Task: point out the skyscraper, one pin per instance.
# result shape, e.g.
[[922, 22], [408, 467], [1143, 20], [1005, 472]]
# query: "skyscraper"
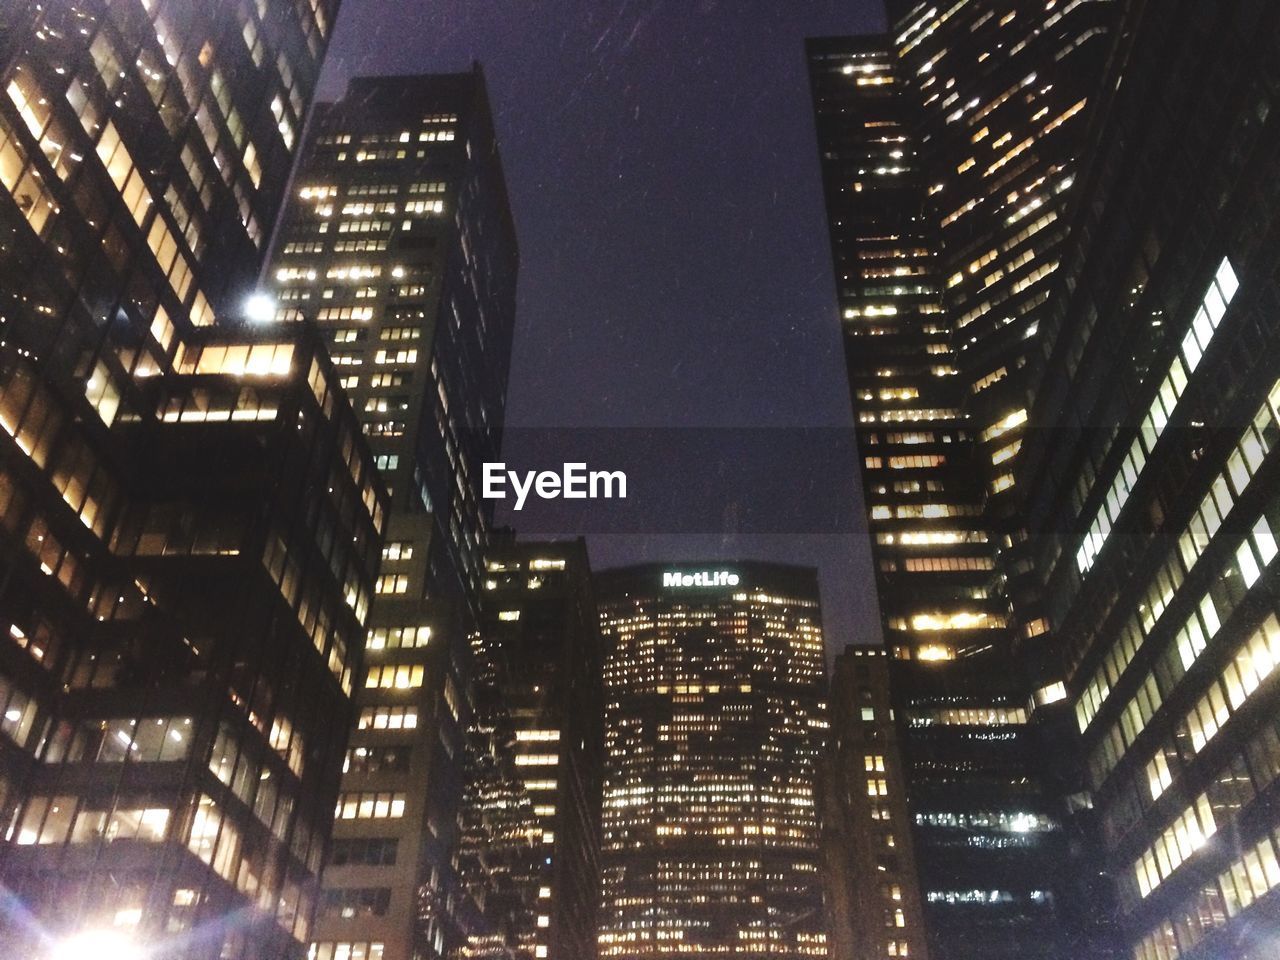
[[1151, 483], [714, 722], [191, 520], [948, 150], [398, 241], [873, 892], [541, 639]]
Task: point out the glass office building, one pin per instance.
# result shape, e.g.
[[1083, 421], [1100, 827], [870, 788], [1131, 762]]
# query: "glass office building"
[[191, 520], [1151, 489]]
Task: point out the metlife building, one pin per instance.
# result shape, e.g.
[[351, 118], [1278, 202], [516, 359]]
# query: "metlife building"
[[714, 719]]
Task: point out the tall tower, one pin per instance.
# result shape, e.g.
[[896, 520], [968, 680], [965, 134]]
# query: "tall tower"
[[959, 694], [191, 522], [398, 241], [541, 639], [714, 722], [948, 152]]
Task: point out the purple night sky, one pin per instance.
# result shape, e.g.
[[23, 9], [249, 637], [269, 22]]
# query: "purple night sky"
[[674, 272]]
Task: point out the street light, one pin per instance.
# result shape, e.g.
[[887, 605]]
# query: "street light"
[[260, 307], [96, 945]]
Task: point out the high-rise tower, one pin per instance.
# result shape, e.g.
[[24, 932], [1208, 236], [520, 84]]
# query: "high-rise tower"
[[948, 150], [541, 641], [714, 722], [398, 241], [1151, 482]]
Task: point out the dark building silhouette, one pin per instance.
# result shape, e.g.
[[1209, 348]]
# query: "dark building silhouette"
[[538, 846], [714, 725], [872, 888]]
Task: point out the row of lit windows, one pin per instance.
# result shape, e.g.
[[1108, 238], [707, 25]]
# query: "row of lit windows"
[[393, 583], [905, 463], [1189, 832], [395, 676], [388, 718], [930, 538], [1208, 316], [938, 564], [1201, 626], [370, 806], [1247, 879], [923, 511], [1257, 659], [965, 717], [903, 416], [962, 620], [392, 638], [1242, 464]]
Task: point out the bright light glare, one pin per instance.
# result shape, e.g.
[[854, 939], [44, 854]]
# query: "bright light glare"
[[260, 308], [96, 945]]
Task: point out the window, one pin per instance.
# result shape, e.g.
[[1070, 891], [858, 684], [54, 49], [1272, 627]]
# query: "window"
[[397, 550], [395, 676], [370, 806], [536, 759], [376, 760], [343, 950], [388, 718], [366, 851], [350, 902], [214, 841], [394, 638]]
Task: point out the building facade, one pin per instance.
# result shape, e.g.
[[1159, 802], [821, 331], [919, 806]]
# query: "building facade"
[[192, 520], [949, 148], [541, 647], [714, 723], [1151, 487], [398, 243], [873, 892]]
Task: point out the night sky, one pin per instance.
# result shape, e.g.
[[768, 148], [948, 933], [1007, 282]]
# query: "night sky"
[[674, 271]]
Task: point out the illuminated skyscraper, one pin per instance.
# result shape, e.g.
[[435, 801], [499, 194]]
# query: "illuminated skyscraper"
[[1152, 489], [948, 150], [714, 722], [191, 521], [959, 693], [398, 241]]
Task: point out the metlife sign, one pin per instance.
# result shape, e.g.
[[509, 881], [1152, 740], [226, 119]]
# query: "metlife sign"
[[702, 578]]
